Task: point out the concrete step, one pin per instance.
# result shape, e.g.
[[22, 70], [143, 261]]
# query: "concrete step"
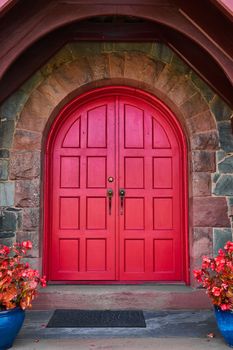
[[112, 297]]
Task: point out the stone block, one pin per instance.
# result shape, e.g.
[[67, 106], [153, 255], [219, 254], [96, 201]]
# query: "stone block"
[[162, 52], [3, 169], [36, 112], [182, 90], [220, 109], [9, 241], [99, 66], [202, 244], [32, 82], [35, 263], [224, 186], [6, 133], [84, 48], [4, 153], [194, 105], [167, 79], [27, 193], [6, 235], [220, 237], [24, 165], [203, 161], [13, 105], [230, 201], [31, 219], [61, 57], [205, 141], [205, 90], [180, 65], [32, 236], [220, 155], [150, 70], [210, 212], [116, 65], [133, 66], [143, 68], [53, 90], [27, 140], [226, 165], [145, 47], [201, 122], [7, 191], [201, 184], [225, 136], [215, 177], [10, 220], [74, 75]]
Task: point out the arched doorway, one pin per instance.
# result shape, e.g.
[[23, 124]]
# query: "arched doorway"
[[116, 188]]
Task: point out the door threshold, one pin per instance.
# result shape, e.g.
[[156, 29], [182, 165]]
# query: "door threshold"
[[117, 283]]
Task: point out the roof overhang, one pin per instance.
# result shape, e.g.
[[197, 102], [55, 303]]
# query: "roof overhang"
[[33, 33]]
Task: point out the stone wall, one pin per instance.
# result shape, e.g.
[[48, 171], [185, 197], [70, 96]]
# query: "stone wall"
[[27, 115]]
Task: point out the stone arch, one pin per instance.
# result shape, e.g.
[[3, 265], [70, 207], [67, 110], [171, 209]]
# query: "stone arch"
[[161, 74]]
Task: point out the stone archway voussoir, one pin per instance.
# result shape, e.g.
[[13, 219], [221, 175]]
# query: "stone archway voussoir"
[[36, 112]]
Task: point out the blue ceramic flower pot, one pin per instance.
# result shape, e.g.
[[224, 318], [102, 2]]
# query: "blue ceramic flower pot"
[[225, 324], [10, 323]]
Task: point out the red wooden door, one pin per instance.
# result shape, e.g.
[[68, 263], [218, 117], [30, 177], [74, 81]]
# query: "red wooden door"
[[83, 232], [150, 222], [130, 237]]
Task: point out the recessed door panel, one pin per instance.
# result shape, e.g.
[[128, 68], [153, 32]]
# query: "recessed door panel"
[[97, 127], [72, 166], [117, 194]]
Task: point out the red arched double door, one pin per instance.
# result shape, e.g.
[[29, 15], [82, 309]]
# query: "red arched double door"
[[116, 206]]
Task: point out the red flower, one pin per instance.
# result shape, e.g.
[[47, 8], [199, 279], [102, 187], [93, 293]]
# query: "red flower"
[[224, 285], [27, 244], [225, 307], [5, 250], [18, 281], [229, 246], [206, 262], [216, 275], [216, 291], [198, 275], [43, 281]]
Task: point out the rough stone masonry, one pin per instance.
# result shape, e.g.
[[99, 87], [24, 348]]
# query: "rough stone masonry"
[[205, 118]]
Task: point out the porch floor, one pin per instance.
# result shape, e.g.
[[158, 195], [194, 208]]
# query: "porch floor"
[[176, 316], [178, 330]]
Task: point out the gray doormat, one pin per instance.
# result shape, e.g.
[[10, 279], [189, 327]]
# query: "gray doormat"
[[63, 318]]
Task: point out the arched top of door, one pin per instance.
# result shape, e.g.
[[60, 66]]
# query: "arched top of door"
[[166, 116]]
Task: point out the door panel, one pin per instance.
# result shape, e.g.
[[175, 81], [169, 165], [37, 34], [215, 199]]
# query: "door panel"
[[83, 232], [150, 231], [132, 236]]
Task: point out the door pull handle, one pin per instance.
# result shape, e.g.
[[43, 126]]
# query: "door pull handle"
[[122, 197], [110, 195]]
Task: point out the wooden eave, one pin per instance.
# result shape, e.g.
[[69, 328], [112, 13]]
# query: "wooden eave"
[[198, 31]]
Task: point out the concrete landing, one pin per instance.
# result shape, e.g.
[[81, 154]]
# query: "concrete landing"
[[112, 297], [122, 344], [164, 330]]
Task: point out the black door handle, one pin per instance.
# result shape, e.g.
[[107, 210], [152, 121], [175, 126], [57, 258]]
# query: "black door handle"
[[110, 195], [122, 196]]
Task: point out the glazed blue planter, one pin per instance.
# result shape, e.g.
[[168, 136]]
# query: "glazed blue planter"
[[225, 324], [10, 323]]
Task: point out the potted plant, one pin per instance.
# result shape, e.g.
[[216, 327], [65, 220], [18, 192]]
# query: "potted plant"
[[216, 275], [18, 287]]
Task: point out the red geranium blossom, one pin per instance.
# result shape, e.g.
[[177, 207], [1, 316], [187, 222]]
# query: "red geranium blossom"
[[18, 281], [216, 275]]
